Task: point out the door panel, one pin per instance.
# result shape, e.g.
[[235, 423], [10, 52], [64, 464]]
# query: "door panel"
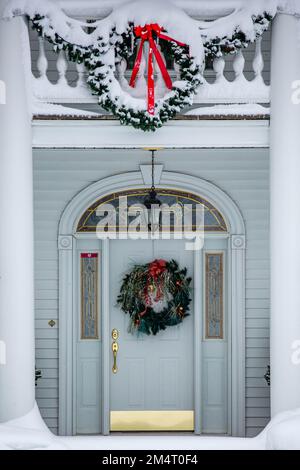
[[214, 401], [87, 409], [155, 373]]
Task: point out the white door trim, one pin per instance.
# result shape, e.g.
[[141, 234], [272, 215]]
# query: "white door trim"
[[236, 285]]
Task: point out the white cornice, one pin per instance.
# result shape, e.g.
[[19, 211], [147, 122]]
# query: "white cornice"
[[175, 134]]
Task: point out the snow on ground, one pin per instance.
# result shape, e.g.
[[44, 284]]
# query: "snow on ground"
[[230, 110], [31, 433]]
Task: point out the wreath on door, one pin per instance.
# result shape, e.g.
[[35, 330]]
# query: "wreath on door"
[[155, 295]]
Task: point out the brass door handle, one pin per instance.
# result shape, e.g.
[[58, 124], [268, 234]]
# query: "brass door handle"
[[115, 348]]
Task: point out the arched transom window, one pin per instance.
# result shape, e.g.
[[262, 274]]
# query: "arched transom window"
[[213, 219]]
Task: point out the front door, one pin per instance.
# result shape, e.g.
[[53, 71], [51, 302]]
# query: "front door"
[[153, 388]]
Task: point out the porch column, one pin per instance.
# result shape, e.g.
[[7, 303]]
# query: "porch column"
[[285, 217], [16, 219]]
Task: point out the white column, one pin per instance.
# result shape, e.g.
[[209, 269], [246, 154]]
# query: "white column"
[[16, 233], [285, 217]]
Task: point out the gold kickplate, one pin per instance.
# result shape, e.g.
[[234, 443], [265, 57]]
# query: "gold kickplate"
[[149, 420]]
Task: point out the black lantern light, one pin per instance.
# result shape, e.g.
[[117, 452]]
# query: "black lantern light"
[[152, 203]]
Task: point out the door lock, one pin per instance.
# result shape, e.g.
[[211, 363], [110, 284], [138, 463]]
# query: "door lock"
[[115, 334]]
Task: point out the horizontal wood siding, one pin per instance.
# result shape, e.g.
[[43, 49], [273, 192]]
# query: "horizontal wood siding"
[[59, 175]]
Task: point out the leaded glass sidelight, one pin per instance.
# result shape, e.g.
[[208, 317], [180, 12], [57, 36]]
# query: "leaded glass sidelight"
[[89, 295], [214, 305], [213, 219]]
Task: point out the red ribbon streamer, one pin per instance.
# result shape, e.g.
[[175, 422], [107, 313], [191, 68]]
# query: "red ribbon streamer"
[[156, 269], [146, 34]]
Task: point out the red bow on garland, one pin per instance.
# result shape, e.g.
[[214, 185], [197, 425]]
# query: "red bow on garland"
[[146, 34]]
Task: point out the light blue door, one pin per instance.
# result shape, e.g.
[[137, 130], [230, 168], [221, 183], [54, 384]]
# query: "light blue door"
[[154, 386]]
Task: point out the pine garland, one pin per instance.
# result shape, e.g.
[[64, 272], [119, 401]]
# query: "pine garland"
[[101, 65], [171, 287], [218, 47]]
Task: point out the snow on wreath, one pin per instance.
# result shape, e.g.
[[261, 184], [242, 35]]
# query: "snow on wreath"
[[155, 295], [147, 36]]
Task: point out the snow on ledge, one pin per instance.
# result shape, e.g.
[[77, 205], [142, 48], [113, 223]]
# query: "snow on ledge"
[[193, 7], [48, 109], [30, 432], [230, 110]]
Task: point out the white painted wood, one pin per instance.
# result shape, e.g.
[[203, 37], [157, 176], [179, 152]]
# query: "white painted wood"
[[62, 67], [81, 82], [237, 262], [65, 247], [146, 171], [175, 134], [42, 61], [106, 339], [231, 81], [16, 243], [285, 250], [198, 315]]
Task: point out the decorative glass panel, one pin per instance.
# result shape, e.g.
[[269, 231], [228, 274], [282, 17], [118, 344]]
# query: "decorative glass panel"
[[213, 219], [214, 309], [89, 296]]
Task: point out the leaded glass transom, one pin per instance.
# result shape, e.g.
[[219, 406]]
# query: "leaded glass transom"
[[213, 219]]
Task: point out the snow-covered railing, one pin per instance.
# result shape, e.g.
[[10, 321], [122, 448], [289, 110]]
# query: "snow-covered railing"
[[240, 89], [218, 87]]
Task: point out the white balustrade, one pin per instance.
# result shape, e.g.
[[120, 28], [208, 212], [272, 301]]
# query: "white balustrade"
[[227, 83]]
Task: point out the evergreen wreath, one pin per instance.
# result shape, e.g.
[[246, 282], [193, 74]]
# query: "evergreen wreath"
[[102, 58], [155, 295]]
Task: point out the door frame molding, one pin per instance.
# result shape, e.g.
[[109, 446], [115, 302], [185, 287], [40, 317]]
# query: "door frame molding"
[[236, 288]]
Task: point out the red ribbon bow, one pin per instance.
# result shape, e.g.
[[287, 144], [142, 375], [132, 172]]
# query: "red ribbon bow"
[[156, 268], [146, 34]]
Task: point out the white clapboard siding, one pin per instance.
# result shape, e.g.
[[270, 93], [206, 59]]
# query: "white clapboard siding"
[[59, 175]]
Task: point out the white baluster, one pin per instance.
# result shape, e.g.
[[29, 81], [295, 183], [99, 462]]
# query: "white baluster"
[[219, 66], [238, 66], [42, 61], [141, 83], [258, 62], [160, 86], [121, 69], [177, 71], [81, 82], [62, 67]]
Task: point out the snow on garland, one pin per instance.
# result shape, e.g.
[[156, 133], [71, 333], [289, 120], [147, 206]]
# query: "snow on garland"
[[167, 29], [219, 46], [155, 295], [101, 61]]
